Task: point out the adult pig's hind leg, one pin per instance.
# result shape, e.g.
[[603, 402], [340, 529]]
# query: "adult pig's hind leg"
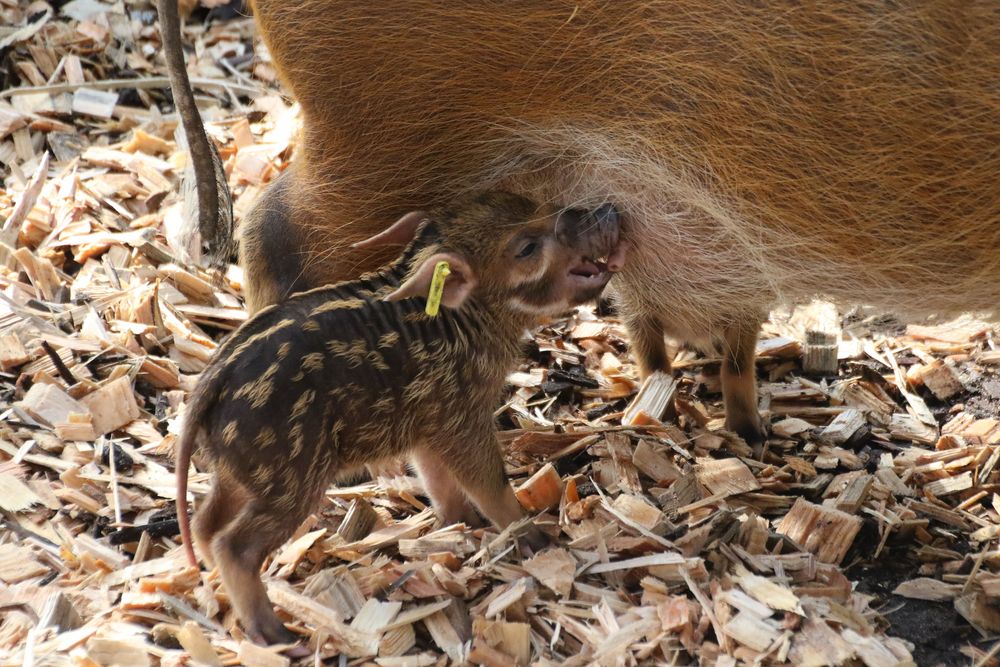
[[294, 239], [271, 249]]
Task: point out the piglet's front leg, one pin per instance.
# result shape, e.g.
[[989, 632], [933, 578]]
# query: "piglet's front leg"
[[476, 466], [450, 501]]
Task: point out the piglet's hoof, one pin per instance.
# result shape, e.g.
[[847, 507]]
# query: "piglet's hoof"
[[533, 541], [473, 521], [297, 651], [272, 631], [292, 648]]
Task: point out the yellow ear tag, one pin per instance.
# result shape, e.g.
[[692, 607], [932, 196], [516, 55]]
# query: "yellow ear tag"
[[441, 273]]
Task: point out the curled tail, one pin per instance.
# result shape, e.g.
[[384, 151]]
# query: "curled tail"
[[215, 204], [184, 449]]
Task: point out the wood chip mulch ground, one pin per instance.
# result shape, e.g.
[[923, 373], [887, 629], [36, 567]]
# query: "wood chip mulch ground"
[[864, 532]]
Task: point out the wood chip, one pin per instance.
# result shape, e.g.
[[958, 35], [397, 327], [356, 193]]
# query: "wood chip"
[[620, 448], [952, 332], [94, 102], [541, 491], [854, 494], [786, 428], [10, 120], [50, 404], [337, 591], [979, 612], [87, 545], [826, 532], [488, 656], [319, 616], [445, 636], [666, 561], [511, 639], [359, 521], [293, 552], [18, 564], [928, 589], [15, 495], [112, 406], [638, 511], [653, 462], [130, 652], [939, 378], [819, 354], [252, 655], [553, 568], [12, 352], [818, 644], [843, 427], [752, 631], [725, 477], [769, 593], [193, 639], [654, 399], [908, 427], [983, 431], [949, 485]]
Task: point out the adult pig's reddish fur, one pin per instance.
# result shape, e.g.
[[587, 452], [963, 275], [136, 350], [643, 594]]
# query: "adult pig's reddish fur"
[[761, 152]]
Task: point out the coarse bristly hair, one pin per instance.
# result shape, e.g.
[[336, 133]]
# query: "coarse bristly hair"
[[761, 152]]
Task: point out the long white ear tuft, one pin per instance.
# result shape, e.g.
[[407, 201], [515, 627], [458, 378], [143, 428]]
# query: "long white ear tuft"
[[457, 288], [400, 233]]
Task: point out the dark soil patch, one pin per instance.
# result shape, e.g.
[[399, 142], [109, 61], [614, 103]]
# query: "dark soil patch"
[[985, 399], [935, 629]]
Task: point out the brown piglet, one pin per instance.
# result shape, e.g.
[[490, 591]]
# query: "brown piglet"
[[347, 375]]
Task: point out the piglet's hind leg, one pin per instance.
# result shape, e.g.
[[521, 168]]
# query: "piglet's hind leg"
[[240, 551], [221, 505]]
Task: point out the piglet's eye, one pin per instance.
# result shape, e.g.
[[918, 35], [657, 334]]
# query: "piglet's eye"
[[527, 250]]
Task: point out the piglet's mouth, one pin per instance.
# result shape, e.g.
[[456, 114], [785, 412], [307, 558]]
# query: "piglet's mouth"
[[589, 274], [590, 269]]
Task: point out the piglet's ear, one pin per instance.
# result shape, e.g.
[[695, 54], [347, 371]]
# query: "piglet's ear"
[[400, 233], [457, 287]]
